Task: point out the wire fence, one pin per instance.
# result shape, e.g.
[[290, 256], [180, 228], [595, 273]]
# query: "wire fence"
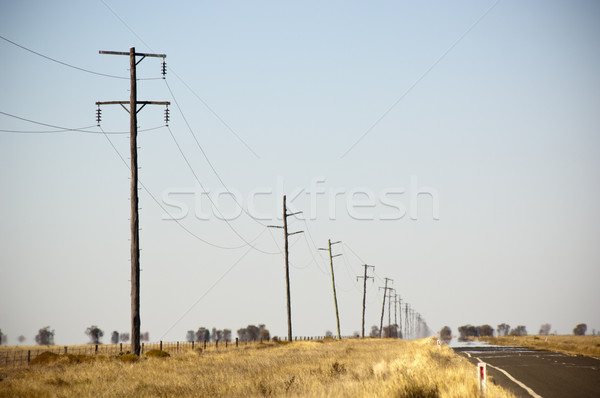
[[22, 356]]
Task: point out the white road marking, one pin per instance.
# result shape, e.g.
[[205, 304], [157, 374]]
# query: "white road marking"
[[529, 390]]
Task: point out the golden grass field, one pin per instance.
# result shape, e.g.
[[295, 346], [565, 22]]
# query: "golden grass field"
[[576, 345], [319, 368]]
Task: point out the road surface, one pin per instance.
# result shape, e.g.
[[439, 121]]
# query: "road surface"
[[535, 373]]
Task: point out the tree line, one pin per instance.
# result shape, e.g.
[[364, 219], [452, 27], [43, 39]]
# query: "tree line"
[[503, 329]]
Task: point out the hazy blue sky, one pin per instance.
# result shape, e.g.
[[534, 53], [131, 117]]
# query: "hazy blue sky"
[[491, 107]]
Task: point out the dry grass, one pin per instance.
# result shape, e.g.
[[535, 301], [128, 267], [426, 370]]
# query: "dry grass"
[[576, 345], [330, 368]]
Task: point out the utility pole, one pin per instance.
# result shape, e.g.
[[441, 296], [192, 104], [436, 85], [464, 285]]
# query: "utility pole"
[[385, 289], [365, 277], [407, 321], [134, 222], [331, 256], [400, 316], [287, 262], [396, 314]]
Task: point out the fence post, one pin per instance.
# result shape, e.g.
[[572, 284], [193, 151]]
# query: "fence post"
[[205, 344], [177, 347], [142, 348], [192, 346], [120, 347], [225, 344], [161, 345], [65, 349], [236, 342], [96, 350], [28, 357]]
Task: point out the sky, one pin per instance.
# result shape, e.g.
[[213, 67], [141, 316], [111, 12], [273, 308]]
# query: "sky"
[[453, 146]]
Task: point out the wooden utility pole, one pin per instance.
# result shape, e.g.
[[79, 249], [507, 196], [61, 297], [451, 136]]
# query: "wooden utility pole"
[[134, 222], [331, 256], [287, 262], [400, 316], [385, 290], [364, 302]]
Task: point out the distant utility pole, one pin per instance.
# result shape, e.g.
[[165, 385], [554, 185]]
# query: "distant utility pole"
[[396, 314], [400, 316], [385, 289], [407, 321], [287, 262], [135, 243], [331, 256], [365, 277]]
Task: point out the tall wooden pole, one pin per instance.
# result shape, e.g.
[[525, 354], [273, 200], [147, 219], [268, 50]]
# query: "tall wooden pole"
[[135, 242], [383, 308], [134, 221], [287, 270], [337, 315], [364, 301]]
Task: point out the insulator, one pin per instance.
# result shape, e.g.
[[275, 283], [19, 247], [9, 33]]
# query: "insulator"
[[167, 115], [164, 68], [98, 115]]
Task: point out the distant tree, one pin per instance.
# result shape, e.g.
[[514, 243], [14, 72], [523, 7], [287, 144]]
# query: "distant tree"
[[124, 336], [519, 331], [390, 331], [217, 334], [114, 337], [21, 339], [356, 334], [3, 338], [202, 334], [486, 331], [45, 336], [145, 336], [467, 331], [242, 334], [446, 333], [580, 329], [503, 329], [328, 333], [190, 336], [374, 331], [253, 332], [545, 329], [265, 335], [227, 335], [95, 334]]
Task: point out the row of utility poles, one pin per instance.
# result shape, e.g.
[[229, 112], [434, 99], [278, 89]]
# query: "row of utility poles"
[[413, 322], [414, 325]]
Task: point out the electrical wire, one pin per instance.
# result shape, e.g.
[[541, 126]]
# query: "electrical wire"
[[165, 210], [61, 62], [61, 129], [206, 156], [215, 207]]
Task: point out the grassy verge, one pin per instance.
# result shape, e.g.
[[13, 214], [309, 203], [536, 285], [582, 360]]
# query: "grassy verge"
[[329, 368], [575, 345]]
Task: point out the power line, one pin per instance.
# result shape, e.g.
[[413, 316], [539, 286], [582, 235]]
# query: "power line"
[[62, 129], [165, 210], [206, 156], [215, 114], [248, 243], [61, 62]]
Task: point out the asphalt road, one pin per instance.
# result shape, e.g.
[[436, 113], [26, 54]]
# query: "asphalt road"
[[535, 373]]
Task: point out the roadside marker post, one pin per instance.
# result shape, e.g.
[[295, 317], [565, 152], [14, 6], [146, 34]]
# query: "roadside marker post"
[[482, 374]]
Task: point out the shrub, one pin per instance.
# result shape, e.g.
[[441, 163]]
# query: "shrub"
[[157, 354], [45, 358]]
